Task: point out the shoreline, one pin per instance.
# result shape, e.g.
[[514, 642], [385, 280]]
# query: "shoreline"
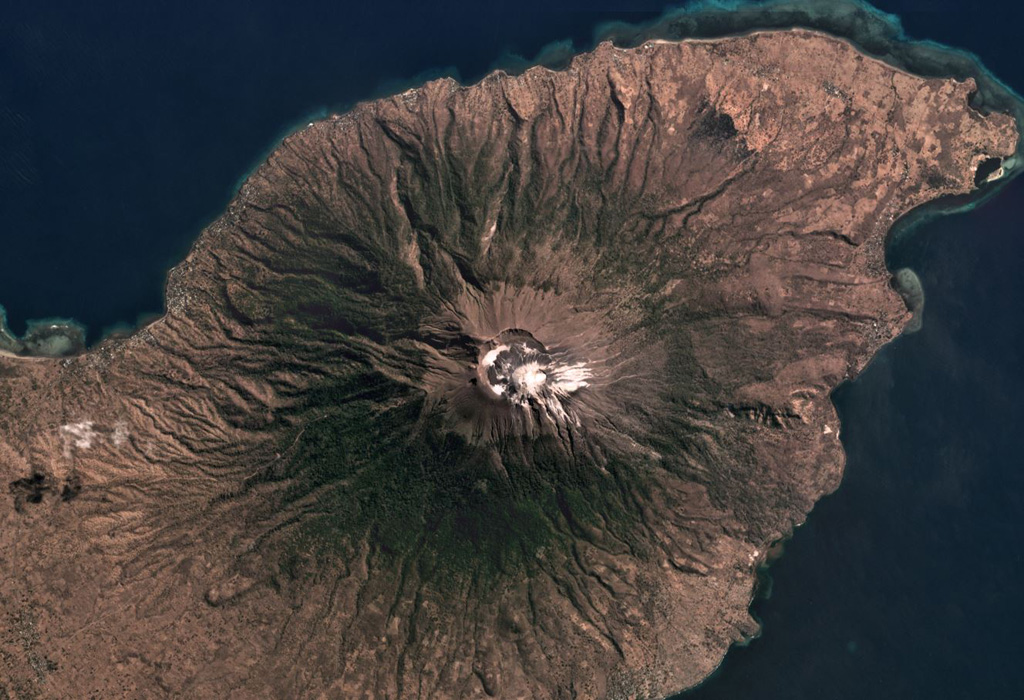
[[864, 27], [53, 332], [45, 338]]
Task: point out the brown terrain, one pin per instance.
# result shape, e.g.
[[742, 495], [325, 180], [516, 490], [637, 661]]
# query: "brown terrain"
[[503, 390]]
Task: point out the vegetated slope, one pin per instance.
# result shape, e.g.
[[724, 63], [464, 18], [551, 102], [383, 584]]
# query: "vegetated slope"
[[494, 390]]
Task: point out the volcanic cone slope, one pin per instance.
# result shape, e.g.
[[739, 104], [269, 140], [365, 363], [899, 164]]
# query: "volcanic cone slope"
[[500, 390]]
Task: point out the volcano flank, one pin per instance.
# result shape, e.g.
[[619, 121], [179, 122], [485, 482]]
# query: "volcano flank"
[[501, 390]]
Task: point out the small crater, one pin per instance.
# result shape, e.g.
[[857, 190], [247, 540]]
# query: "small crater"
[[938, 181], [30, 489], [72, 487], [715, 126], [986, 169]]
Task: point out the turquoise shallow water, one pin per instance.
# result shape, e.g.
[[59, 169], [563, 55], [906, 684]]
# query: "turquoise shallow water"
[[124, 129]]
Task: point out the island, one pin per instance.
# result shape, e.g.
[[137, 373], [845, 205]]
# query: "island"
[[502, 390]]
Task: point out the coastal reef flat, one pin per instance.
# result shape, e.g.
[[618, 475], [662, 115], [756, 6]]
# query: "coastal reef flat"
[[492, 391]]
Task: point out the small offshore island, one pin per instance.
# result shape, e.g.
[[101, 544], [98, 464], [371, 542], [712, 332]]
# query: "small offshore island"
[[502, 390]]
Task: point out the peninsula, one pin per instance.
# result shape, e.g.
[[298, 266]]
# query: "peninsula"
[[502, 390]]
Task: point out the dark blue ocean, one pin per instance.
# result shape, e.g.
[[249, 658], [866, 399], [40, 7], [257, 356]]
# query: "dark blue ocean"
[[126, 126]]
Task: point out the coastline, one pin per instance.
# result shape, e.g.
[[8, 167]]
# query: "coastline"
[[57, 327], [43, 338], [869, 30]]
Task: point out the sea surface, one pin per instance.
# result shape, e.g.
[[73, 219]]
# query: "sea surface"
[[125, 127]]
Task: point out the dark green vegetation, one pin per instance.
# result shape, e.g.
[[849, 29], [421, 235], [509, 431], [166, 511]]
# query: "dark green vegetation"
[[371, 464]]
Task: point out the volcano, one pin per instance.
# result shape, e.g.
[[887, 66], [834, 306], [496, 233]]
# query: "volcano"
[[502, 390]]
